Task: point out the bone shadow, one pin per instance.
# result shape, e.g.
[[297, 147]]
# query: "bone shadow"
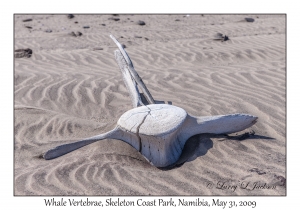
[[145, 102], [198, 145]]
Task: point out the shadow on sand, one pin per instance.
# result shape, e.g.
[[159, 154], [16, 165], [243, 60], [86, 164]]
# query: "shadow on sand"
[[199, 144]]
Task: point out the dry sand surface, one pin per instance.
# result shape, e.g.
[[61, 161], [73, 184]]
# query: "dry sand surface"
[[71, 88]]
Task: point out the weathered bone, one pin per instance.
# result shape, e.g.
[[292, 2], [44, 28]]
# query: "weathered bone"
[[133, 73], [157, 131], [128, 80]]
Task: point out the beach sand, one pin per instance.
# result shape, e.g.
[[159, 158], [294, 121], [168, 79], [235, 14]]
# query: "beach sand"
[[71, 88]]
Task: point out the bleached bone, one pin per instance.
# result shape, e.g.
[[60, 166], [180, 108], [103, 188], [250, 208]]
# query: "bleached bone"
[[129, 81], [132, 72], [158, 131]]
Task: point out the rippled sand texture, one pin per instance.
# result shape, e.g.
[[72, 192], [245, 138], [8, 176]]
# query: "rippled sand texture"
[[70, 89]]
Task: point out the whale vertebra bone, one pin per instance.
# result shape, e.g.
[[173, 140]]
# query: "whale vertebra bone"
[[157, 131]]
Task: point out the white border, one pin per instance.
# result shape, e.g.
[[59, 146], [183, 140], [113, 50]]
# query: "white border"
[[151, 6]]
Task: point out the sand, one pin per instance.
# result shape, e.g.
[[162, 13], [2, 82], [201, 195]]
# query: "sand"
[[71, 88]]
